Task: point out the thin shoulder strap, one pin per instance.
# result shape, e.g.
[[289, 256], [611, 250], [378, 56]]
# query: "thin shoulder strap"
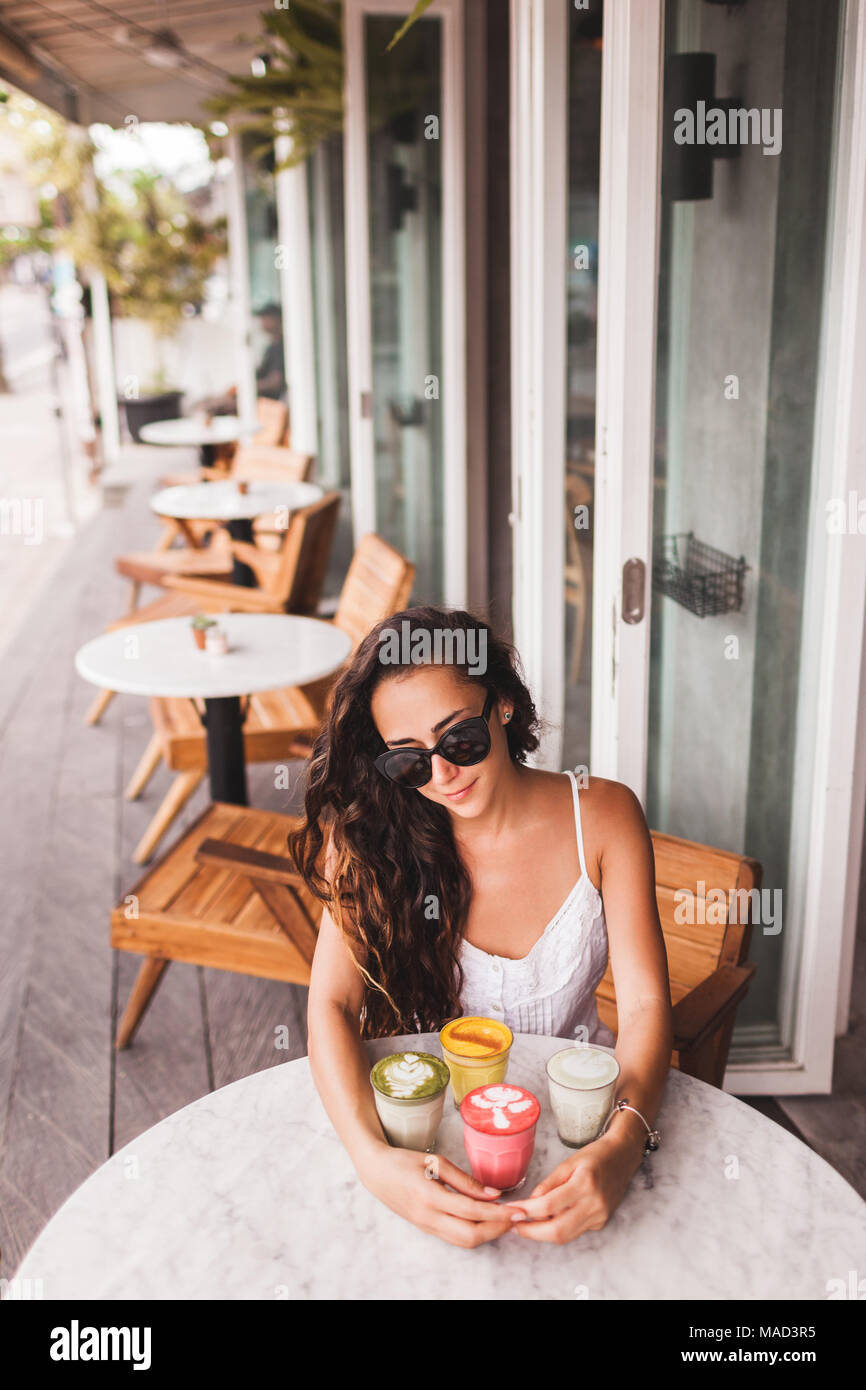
[[575, 793]]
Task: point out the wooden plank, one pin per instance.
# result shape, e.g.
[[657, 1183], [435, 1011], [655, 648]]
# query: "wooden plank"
[[58, 1119], [166, 1067], [248, 1017], [253, 1023], [256, 946], [697, 1013], [53, 993], [63, 860], [229, 892], [290, 915], [271, 867], [20, 1223], [161, 886]]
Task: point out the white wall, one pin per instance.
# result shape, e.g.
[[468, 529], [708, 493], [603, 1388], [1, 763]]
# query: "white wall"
[[199, 359]]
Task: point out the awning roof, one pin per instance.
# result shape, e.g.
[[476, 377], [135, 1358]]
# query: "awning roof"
[[95, 61]]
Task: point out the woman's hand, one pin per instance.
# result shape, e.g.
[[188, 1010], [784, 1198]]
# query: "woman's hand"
[[582, 1193], [414, 1186]]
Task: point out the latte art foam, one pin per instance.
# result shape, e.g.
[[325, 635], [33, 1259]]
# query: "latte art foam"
[[407, 1075], [583, 1067], [499, 1109]]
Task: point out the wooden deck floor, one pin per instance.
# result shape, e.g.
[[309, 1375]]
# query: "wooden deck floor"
[[67, 1100]]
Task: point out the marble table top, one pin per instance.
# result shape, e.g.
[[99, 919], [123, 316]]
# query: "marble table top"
[[249, 1194], [221, 501], [266, 651], [187, 430]]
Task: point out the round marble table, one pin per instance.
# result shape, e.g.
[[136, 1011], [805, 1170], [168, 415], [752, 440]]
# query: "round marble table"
[[249, 1194], [188, 431], [266, 651], [235, 509]]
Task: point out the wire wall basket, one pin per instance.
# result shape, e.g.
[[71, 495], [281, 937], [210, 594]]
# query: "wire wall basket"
[[701, 578]]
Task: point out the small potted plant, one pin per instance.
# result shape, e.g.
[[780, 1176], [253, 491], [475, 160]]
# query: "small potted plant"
[[200, 624]]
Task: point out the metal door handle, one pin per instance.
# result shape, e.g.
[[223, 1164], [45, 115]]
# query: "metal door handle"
[[633, 585]]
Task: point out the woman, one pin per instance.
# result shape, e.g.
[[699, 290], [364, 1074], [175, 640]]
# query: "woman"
[[459, 881]]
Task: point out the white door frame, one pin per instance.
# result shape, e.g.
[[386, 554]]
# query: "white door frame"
[[296, 296], [629, 216], [539, 239], [628, 237], [452, 387]]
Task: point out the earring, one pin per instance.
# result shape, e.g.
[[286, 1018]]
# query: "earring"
[[508, 715]]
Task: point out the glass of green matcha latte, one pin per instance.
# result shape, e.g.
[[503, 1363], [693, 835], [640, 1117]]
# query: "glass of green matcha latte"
[[409, 1088]]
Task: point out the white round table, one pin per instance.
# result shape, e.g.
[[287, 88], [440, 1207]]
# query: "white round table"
[[223, 501], [249, 1194], [236, 510], [266, 651], [187, 431]]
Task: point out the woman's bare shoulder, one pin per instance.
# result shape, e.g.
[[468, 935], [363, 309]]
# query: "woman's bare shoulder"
[[608, 797], [607, 809]]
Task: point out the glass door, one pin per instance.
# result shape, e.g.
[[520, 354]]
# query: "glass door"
[[741, 301], [727, 611], [405, 287], [584, 135]]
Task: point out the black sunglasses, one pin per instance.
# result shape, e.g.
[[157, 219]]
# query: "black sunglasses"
[[464, 744]]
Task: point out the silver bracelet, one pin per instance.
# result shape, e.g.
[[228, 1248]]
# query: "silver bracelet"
[[653, 1138]]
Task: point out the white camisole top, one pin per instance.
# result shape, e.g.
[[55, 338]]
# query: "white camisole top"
[[552, 989]]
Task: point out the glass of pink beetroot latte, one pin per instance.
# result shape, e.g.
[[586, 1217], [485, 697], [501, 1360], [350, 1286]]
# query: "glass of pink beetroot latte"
[[499, 1133]]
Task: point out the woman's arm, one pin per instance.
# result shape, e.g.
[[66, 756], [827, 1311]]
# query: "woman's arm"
[[462, 1212], [338, 1060], [585, 1189], [638, 962]]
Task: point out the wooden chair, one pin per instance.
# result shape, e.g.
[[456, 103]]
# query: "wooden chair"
[[290, 580], [273, 418], [226, 895], [707, 962], [279, 724], [272, 463], [272, 570]]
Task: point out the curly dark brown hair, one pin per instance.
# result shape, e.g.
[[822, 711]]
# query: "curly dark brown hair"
[[391, 849]]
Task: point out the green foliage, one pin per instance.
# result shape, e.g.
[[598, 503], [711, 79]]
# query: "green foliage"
[[155, 253], [143, 235], [301, 91], [416, 14]]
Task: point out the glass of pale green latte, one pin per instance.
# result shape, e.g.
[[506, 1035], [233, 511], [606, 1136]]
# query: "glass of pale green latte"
[[409, 1089]]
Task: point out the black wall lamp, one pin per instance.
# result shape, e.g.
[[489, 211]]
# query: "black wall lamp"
[[687, 169]]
